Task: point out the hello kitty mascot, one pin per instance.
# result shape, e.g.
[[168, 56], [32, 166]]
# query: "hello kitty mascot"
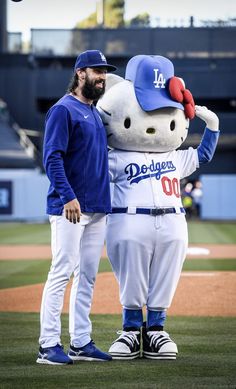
[[147, 118]]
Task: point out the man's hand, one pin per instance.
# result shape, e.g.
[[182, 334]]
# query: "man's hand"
[[209, 117], [73, 211]]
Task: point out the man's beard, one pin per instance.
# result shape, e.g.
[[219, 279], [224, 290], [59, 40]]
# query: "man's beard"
[[91, 91]]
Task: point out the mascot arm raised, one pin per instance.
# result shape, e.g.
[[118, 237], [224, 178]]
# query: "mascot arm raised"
[[209, 141]]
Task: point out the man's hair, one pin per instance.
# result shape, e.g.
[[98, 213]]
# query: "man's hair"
[[74, 82]]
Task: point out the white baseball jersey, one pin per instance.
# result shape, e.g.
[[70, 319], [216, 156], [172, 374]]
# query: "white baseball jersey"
[[150, 179]]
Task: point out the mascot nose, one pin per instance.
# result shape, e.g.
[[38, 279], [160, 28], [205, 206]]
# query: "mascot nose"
[[150, 130]]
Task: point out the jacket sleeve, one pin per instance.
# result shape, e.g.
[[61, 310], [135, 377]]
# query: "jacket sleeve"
[[207, 147], [55, 145]]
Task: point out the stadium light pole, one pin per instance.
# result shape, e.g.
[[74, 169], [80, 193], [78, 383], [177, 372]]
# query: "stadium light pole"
[[3, 26], [100, 9]]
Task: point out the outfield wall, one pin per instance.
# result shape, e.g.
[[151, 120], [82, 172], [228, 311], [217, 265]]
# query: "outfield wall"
[[219, 193], [23, 196]]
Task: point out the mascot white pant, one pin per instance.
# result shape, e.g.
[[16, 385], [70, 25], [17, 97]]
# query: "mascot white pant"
[[147, 254]]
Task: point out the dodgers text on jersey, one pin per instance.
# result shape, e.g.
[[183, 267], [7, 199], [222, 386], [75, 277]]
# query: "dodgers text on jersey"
[[137, 173]]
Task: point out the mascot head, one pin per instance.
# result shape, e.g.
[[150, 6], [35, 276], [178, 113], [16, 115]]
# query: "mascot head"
[[149, 110]]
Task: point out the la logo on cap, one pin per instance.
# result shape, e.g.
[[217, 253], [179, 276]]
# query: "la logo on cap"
[[159, 81], [103, 58], [150, 75]]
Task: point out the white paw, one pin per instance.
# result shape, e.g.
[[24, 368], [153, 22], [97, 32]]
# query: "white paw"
[[209, 117]]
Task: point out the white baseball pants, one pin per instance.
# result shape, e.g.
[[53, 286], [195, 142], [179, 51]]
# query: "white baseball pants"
[[147, 255], [75, 248]]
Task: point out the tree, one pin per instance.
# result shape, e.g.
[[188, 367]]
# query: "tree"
[[113, 15], [141, 20], [89, 22]]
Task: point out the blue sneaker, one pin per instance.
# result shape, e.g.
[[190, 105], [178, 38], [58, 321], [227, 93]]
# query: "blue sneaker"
[[89, 352], [53, 356]]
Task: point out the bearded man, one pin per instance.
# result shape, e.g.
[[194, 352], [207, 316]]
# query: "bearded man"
[[76, 163]]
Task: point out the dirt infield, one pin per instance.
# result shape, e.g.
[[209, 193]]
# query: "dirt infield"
[[44, 251], [198, 293]]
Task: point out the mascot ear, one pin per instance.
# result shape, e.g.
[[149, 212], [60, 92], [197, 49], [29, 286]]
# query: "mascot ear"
[[112, 79]]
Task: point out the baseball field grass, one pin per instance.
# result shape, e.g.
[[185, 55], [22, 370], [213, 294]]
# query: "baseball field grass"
[[199, 232], [207, 357], [207, 345], [26, 272]]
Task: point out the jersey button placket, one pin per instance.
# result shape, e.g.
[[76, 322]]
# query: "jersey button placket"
[[153, 183]]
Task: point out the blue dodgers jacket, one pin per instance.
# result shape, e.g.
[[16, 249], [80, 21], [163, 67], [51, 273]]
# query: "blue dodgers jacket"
[[75, 157]]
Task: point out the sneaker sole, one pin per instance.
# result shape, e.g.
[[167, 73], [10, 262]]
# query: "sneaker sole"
[[47, 362], [159, 356], [89, 359], [125, 356]]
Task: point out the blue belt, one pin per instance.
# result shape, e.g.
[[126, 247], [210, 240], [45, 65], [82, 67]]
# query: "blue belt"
[[149, 211]]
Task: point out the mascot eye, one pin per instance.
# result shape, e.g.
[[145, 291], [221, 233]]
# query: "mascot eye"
[[127, 123], [172, 125]]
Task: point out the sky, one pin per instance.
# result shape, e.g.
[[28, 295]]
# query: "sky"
[[27, 14]]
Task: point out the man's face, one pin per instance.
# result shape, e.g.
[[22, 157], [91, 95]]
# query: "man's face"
[[94, 83]]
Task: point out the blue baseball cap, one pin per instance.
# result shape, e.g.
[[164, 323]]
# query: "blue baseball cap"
[[150, 75], [93, 59]]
